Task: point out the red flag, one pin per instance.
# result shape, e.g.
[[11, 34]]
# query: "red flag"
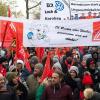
[[40, 52], [20, 54], [27, 61], [8, 32], [57, 52], [47, 68], [9, 12], [81, 48]]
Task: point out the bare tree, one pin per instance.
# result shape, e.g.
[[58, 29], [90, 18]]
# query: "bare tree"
[[3, 9], [34, 4]]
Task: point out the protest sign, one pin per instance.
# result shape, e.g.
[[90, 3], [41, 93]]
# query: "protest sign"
[[69, 9]]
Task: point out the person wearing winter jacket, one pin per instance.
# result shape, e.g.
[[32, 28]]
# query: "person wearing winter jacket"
[[6, 93], [95, 73], [58, 90], [17, 86]]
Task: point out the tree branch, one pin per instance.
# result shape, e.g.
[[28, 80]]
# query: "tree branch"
[[35, 5]]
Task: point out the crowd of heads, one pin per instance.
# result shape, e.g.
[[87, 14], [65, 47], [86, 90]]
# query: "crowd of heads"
[[74, 65]]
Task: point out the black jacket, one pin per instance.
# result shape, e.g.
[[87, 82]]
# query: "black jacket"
[[7, 94], [96, 96]]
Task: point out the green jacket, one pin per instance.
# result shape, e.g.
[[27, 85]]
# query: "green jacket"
[[39, 92]]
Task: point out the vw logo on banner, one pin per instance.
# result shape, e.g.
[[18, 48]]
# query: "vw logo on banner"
[[59, 5]]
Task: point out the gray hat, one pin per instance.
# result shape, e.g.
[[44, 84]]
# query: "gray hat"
[[57, 65], [74, 68], [39, 65], [34, 60], [55, 59]]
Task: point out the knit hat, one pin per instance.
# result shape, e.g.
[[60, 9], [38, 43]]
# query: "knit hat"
[[34, 60], [87, 56], [74, 68], [68, 54], [55, 59], [57, 65], [89, 61], [20, 62], [10, 76], [39, 65], [87, 79]]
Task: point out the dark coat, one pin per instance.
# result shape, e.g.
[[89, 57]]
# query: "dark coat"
[[57, 93], [75, 86], [8, 94], [19, 88], [96, 96], [24, 74]]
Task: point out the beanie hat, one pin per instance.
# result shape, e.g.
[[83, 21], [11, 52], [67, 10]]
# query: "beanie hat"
[[74, 68], [10, 76], [20, 62], [34, 60], [57, 65], [68, 54], [87, 56], [89, 61], [55, 59], [39, 66], [87, 79]]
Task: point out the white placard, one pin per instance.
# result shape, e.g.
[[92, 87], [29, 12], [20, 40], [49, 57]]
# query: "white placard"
[[69, 9]]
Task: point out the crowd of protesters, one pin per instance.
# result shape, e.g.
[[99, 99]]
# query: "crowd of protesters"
[[75, 75]]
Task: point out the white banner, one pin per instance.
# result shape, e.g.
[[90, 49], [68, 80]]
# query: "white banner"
[[69, 9], [58, 33], [62, 34]]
